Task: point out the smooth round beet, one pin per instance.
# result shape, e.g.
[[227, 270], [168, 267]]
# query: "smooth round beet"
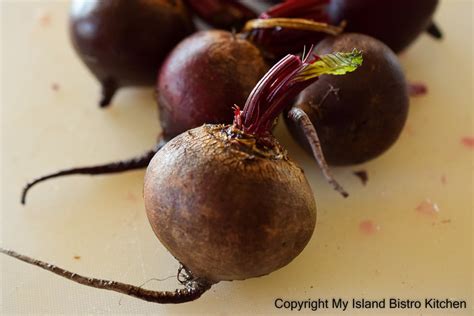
[[124, 42], [397, 23], [359, 115], [203, 77], [225, 210]]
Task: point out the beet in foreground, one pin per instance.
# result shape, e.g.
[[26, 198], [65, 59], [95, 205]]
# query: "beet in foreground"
[[201, 192]]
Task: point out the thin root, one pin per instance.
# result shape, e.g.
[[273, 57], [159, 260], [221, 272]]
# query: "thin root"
[[193, 287], [300, 118], [434, 31], [135, 163], [109, 87]]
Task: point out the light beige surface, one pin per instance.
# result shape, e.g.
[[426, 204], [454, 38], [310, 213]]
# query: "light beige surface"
[[102, 220]]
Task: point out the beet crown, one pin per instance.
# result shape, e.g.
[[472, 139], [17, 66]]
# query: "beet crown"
[[284, 82]]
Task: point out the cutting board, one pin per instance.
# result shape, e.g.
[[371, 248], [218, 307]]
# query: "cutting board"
[[406, 234]]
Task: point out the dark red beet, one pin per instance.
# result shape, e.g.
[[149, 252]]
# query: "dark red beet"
[[203, 77], [360, 115], [397, 23], [124, 42]]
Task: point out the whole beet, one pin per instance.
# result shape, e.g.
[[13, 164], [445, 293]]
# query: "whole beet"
[[219, 229], [226, 200], [397, 23], [124, 42], [360, 115], [203, 77]]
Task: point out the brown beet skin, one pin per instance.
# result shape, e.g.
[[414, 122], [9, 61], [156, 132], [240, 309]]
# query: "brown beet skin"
[[397, 23], [225, 211], [126, 41], [364, 112], [203, 77]]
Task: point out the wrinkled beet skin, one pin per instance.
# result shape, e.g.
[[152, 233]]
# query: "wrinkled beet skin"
[[223, 215], [397, 23], [203, 77], [125, 41], [365, 117]]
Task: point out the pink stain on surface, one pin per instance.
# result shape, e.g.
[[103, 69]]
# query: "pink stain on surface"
[[444, 180], [408, 130], [55, 86], [427, 208], [368, 227], [131, 197], [43, 18], [417, 89], [468, 141]]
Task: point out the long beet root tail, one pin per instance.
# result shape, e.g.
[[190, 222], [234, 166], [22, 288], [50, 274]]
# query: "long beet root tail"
[[109, 87], [193, 287], [135, 163], [300, 118], [434, 31]]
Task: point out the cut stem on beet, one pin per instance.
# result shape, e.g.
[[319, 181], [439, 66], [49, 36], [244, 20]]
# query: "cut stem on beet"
[[282, 84], [293, 24]]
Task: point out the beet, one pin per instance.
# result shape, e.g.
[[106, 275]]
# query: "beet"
[[360, 115], [397, 23], [124, 42], [226, 200], [203, 77], [220, 230]]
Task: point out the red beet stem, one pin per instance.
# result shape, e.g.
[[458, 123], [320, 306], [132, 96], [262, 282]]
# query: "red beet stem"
[[304, 9], [287, 27], [272, 94], [283, 82]]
